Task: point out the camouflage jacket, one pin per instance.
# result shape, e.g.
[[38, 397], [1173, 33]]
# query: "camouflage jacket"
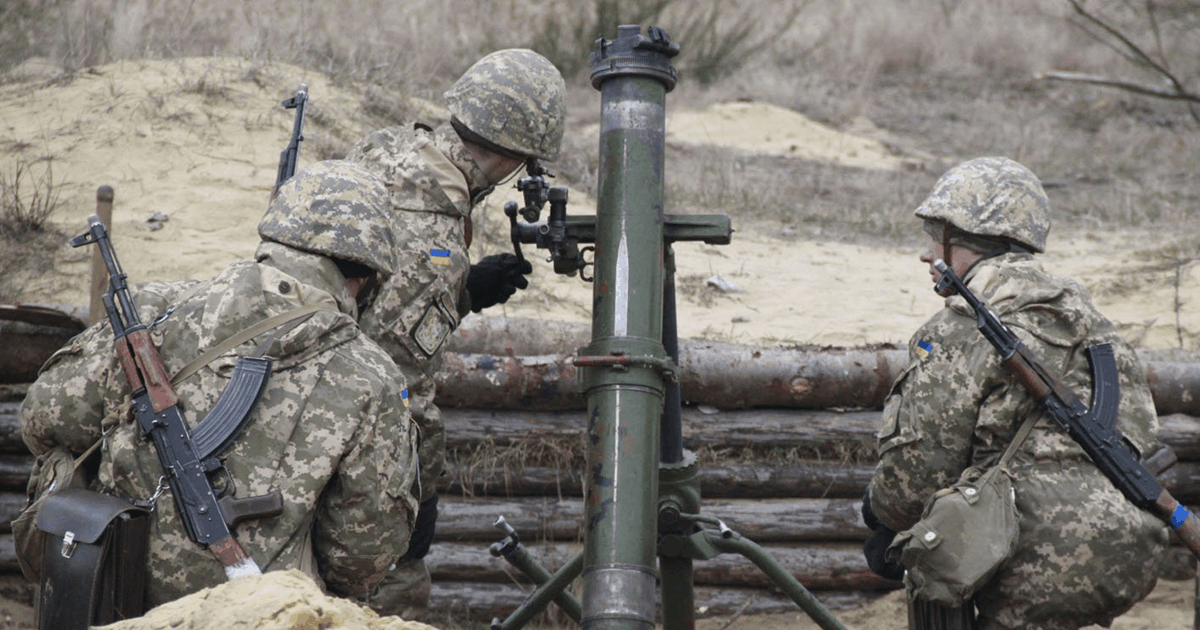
[[956, 406], [331, 432], [1084, 553], [433, 184]]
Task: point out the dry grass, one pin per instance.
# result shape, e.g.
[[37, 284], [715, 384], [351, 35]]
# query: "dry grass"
[[956, 76], [29, 196], [953, 77]]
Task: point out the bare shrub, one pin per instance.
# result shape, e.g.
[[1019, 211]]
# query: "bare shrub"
[[27, 239], [27, 200]]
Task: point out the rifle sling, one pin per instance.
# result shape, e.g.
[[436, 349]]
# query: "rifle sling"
[[222, 424], [246, 335]]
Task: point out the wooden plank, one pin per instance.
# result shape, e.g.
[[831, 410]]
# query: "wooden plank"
[[830, 433]]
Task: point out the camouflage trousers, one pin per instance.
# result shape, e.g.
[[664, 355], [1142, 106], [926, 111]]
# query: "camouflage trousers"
[[1085, 554]]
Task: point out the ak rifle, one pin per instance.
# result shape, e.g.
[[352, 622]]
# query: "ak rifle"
[[186, 462], [1093, 429], [289, 156]]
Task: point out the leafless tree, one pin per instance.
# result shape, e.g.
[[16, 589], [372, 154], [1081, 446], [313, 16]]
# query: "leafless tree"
[[1155, 59]]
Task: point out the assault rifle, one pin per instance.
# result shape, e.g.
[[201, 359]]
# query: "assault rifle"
[[186, 460], [288, 157], [1094, 429]]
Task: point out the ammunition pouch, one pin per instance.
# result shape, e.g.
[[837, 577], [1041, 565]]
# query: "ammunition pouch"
[[94, 561]]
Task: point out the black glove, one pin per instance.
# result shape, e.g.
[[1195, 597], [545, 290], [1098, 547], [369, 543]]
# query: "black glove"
[[422, 533], [868, 516], [495, 278], [875, 548]]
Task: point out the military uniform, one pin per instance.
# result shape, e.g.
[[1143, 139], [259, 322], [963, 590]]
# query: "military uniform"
[[1085, 554], [509, 103], [430, 177], [331, 433]]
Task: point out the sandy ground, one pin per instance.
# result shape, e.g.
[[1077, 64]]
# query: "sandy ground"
[[198, 141]]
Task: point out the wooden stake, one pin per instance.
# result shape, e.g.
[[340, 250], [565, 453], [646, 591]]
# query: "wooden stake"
[[99, 281]]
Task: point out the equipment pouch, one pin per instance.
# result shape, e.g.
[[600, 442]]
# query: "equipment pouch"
[[966, 532], [52, 473], [94, 567]]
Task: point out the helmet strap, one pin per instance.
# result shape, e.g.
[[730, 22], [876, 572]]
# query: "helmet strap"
[[470, 136]]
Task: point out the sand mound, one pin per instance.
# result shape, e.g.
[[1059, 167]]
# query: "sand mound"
[[278, 600], [198, 140], [772, 130]]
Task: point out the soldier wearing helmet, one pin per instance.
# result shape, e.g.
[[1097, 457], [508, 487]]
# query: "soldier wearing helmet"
[[507, 111], [1084, 554], [331, 432]]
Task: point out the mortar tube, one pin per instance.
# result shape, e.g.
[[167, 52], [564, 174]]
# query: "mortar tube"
[[624, 374]]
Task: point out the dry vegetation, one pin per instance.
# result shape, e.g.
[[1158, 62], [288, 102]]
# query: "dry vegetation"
[[958, 77], [951, 78]]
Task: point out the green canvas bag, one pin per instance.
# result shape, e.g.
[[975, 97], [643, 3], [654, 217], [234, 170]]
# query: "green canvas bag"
[[965, 533]]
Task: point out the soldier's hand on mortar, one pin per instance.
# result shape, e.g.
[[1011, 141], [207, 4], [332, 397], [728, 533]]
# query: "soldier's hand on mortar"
[[495, 279]]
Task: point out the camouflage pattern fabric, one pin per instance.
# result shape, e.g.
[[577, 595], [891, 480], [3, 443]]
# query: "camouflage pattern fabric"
[[1085, 554], [333, 208], [331, 433], [433, 182], [514, 99], [992, 196]]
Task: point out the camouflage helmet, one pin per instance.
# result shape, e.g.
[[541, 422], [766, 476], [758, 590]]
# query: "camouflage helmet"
[[513, 99], [991, 197], [337, 209]]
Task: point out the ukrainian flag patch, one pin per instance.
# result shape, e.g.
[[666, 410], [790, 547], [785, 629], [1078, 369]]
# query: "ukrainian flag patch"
[[439, 256], [404, 398], [923, 349]]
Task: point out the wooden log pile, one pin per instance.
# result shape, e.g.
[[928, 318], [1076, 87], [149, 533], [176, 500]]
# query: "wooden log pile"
[[785, 440]]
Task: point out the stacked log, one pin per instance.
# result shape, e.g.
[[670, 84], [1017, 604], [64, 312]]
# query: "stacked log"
[[785, 437], [787, 443]]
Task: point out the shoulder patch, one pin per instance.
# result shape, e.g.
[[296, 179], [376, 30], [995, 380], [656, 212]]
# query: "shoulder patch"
[[439, 256], [923, 349]]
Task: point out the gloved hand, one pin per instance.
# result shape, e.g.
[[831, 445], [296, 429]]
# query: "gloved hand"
[[868, 516], [496, 278], [875, 548], [423, 529]]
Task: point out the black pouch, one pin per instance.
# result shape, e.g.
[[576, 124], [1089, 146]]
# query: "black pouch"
[[94, 567]]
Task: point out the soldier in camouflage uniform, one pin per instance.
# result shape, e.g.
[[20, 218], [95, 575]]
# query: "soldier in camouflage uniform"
[[507, 110], [1085, 554], [331, 433]]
